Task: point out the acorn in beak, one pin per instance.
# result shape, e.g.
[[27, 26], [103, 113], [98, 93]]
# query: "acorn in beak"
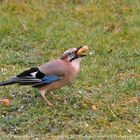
[[81, 51], [75, 53]]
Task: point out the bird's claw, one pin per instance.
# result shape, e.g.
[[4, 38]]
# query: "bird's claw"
[[49, 104]]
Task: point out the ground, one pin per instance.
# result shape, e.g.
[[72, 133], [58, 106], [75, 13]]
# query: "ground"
[[104, 99]]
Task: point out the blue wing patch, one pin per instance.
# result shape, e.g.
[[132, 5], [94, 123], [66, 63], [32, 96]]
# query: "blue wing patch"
[[50, 79], [47, 79]]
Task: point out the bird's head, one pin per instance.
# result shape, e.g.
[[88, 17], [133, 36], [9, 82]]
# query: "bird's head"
[[74, 53]]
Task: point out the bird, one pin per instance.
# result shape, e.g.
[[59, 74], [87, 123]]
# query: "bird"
[[52, 75]]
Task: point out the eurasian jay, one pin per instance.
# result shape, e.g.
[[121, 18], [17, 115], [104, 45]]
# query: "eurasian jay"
[[52, 75]]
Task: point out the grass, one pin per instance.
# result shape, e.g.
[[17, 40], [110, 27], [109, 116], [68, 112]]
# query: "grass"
[[34, 32]]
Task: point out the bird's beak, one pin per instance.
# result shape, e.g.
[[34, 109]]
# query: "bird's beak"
[[81, 51]]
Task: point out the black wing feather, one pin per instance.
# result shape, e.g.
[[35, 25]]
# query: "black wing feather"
[[32, 77], [29, 72]]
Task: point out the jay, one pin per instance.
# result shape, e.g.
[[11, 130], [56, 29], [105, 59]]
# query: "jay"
[[52, 75]]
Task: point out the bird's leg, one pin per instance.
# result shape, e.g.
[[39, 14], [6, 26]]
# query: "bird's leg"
[[42, 92], [55, 96]]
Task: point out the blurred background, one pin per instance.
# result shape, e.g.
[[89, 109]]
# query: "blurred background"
[[105, 98]]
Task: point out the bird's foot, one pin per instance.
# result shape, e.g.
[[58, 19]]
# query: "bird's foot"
[[55, 96], [49, 104]]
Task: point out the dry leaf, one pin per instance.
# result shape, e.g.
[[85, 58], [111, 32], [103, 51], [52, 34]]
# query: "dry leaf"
[[5, 102], [134, 100]]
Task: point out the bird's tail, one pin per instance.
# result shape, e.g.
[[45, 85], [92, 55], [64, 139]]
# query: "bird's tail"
[[21, 81], [7, 83]]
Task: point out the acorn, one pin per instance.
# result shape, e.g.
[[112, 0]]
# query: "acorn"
[[82, 50], [5, 102], [94, 108]]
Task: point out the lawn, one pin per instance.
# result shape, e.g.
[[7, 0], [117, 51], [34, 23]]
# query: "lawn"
[[104, 99]]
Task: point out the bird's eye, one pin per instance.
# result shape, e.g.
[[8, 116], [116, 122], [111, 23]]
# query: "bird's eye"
[[69, 53]]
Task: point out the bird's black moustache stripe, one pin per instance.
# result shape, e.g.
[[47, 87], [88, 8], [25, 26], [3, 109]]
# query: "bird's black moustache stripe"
[[76, 57], [73, 58]]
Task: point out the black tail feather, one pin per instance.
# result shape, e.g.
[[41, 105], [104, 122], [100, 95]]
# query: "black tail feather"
[[7, 83], [21, 81]]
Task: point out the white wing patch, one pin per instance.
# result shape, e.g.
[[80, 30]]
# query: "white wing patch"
[[34, 74]]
